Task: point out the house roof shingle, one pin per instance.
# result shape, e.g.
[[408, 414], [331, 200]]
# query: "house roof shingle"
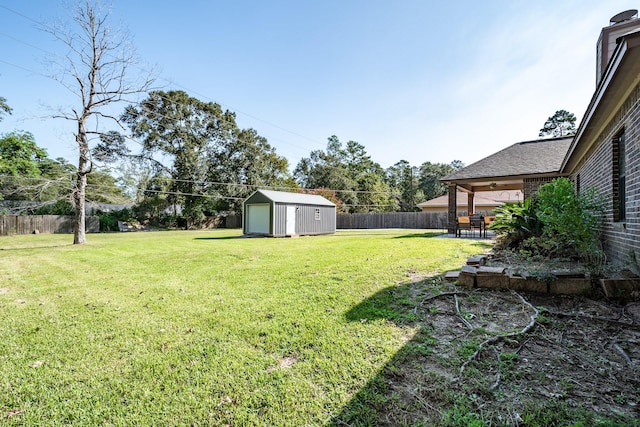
[[523, 158]]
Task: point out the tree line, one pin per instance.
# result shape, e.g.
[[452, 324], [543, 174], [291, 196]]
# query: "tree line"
[[181, 151]]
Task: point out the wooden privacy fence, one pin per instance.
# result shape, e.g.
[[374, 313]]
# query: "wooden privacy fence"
[[434, 220], [233, 221], [48, 224]]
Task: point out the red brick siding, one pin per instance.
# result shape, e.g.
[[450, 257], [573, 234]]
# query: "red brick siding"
[[621, 239]]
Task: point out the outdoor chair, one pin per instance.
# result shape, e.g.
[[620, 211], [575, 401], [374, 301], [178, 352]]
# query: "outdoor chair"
[[477, 223], [462, 223], [487, 222]]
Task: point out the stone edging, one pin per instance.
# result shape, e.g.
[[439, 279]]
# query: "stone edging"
[[476, 275]]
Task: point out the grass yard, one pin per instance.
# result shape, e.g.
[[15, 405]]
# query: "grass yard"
[[204, 328]]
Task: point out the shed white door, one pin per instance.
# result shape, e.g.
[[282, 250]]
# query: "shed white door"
[[290, 222], [258, 219]]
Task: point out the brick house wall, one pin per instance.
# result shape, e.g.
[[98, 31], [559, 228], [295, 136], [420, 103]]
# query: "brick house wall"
[[531, 185], [621, 239]]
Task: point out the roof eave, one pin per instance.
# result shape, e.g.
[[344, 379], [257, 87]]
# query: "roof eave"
[[501, 178]]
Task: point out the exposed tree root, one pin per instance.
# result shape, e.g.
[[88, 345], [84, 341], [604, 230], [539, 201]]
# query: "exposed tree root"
[[497, 382], [498, 338], [444, 294], [466, 322], [615, 321], [622, 353]]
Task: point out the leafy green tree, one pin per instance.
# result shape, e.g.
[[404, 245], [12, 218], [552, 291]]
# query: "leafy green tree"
[[56, 182], [372, 192], [325, 169], [186, 134], [358, 181], [20, 155], [562, 123], [244, 163], [20, 160], [430, 175], [154, 200], [102, 187], [4, 107], [28, 174], [213, 165], [402, 179]]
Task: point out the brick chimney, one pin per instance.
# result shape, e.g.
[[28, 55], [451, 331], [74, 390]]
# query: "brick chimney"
[[619, 25]]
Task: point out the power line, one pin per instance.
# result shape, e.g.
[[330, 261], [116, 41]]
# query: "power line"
[[70, 176], [235, 110], [167, 99], [183, 194], [162, 96]]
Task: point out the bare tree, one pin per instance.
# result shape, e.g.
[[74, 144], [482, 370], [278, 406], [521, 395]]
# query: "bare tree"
[[96, 69]]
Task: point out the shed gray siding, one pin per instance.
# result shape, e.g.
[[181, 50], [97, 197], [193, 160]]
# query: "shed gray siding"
[[306, 222]]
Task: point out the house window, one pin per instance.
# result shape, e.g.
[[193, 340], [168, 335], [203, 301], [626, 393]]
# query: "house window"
[[619, 178], [317, 215]]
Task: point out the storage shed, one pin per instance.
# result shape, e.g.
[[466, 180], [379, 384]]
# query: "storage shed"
[[280, 214]]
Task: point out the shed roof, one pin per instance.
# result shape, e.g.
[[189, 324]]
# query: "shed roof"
[[294, 198], [539, 156]]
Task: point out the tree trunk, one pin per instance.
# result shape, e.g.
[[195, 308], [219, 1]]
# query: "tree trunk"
[[79, 192], [79, 231]]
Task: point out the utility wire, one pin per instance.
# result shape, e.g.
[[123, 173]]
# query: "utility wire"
[[48, 27], [204, 183], [388, 193]]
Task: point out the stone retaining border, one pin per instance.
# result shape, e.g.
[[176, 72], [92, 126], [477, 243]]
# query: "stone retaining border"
[[477, 275]]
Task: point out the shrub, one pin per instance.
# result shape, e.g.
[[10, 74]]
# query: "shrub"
[[60, 207], [556, 223], [516, 222], [572, 223], [109, 220]]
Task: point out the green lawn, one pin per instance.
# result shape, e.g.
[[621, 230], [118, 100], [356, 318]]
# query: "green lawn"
[[202, 328]]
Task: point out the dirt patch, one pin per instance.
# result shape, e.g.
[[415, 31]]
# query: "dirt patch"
[[502, 358], [283, 363]]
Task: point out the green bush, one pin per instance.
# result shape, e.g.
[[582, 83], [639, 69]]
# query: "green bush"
[[572, 223], [516, 222], [109, 220], [556, 223], [60, 207]]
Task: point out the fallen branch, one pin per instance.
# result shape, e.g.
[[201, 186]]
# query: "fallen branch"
[[497, 383], [498, 338], [444, 294], [466, 322], [424, 403], [623, 353]]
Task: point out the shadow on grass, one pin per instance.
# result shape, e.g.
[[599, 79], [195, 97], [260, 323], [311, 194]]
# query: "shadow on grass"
[[387, 399], [391, 233], [62, 245], [425, 234], [243, 236]]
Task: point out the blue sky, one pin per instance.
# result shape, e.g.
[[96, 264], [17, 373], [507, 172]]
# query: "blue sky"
[[408, 79]]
